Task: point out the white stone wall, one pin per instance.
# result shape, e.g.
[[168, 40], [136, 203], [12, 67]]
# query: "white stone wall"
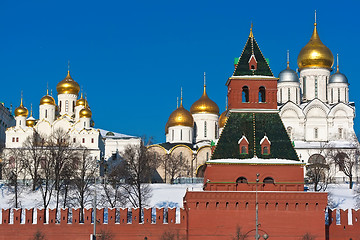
[[338, 92], [288, 91], [313, 82], [207, 127], [67, 103], [180, 134], [47, 112]]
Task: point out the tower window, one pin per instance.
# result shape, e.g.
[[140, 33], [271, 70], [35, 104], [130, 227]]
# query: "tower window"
[[316, 87], [207, 156], [13, 139], [17, 139], [92, 140], [45, 113], [288, 94], [66, 106], [83, 140], [265, 150], [172, 135], [340, 130], [244, 150], [73, 106], [262, 94], [245, 94], [316, 132], [338, 94], [205, 129], [74, 140], [180, 134], [280, 95], [332, 95]]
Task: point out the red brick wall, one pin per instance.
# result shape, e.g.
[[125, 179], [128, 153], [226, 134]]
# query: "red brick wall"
[[344, 230], [235, 93]]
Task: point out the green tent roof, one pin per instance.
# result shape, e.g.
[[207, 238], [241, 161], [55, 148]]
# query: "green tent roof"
[[269, 124]]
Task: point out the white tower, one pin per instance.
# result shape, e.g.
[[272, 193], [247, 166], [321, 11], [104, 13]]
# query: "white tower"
[[68, 91], [288, 85], [47, 108], [206, 115], [80, 104], [85, 117], [338, 88]]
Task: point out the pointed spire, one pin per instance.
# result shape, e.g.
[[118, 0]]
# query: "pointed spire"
[[47, 88], [21, 101], [204, 83], [51, 92], [315, 19], [31, 110], [181, 97], [177, 102], [251, 35], [288, 60], [337, 62]]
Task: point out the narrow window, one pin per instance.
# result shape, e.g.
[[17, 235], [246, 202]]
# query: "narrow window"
[[17, 139], [340, 130], [181, 134], [207, 156], [74, 140], [172, 134], [288, 94], [45, 113], [92, 140], [245, 94], [205, 129], [243, 150], [316, 87], [332, 95], [289, 130], [84, 124], [304, 81], [338, 94], [262, 94], [73, 106], [20, 122], [60, 106], [216, 131], [280, 95], [13, 139], [83, 140], [316, 132], [265, 150], [66, 106], [195, 130], [297, 96]]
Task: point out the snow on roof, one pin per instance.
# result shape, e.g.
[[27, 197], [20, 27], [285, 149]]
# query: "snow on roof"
[[256, 160], [109, 134], [325, 145]]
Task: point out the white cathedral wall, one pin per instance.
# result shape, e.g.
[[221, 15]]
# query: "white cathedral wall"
[[47, 112], [180, 134], [208, 132], [314, 83], [293, 123], [66, 103], [288, 91], [118, 145], [338, 92], [316, 128]]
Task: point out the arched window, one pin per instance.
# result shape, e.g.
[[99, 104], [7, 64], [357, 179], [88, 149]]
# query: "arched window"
[[172, 135], [317, 158], [244, 150], [268, 180], [265, 150], [181, 134], [66, 106], [262, 94], [205, 129], [316, 132], [245, 94], [241, 180], [340, 160], [45, 113], [289, 131], [60, 106], [338, 94], [340, 130], [195, 130], [288, 94]]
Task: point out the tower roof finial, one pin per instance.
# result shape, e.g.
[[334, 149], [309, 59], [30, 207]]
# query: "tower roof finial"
[[68, 66], [21, 101], [31, 110], [315, 19], [251, 35], [288, 60], [204, 82], [181, 97], [226, 103], [47, 88], [337, 62], [177, 102]]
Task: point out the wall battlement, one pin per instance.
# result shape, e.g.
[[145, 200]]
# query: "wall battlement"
[[338, 226]]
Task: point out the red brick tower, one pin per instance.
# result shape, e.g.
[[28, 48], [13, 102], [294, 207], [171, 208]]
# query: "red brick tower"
[[252, 85]]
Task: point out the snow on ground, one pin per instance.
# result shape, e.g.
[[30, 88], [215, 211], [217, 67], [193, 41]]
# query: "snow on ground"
[[166, 195]]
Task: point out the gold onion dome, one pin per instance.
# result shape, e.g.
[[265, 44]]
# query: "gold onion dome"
[[21, 110], [30, 122], [222, 119], [315, 54], [180, 117], [85, 112], [47, 99], [204, 105], [68, 86], [81, 101]]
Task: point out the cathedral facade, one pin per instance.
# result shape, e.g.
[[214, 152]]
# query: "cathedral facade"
[[315, 106]]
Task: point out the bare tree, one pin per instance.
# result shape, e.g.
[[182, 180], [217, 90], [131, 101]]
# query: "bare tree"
[[33, 151], [64, 155], [174, 165], [318, 172], [137, 168], [239, 235], [84, 175], [13, 171], [113, 192]]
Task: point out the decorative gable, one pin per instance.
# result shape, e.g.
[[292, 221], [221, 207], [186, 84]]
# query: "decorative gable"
[[243, 145], [252, 63], [265, 145]]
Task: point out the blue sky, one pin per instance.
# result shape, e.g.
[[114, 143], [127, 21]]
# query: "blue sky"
[[132, 57]]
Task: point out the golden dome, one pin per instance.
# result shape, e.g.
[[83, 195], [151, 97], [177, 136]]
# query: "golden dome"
[[81, 101], [315, 54], [85, 112], [222, 119], [204, 105], [68, 86], [180, 117], [30, 122], [47, 100], [21, 110]]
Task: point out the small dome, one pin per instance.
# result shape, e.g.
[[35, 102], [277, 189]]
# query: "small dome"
[[288, 75], [85, 113], [222, 119], [68, 86], [21, 110], [338, 78], [30, 122], [204, 105], [315, 54], [81, 101], [180, 117], [47, 100]]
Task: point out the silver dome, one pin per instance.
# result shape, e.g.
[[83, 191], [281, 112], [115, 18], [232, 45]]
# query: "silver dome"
[[338, 78], [288, 75]]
